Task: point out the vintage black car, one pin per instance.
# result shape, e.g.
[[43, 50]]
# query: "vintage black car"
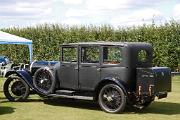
[[114, 74]]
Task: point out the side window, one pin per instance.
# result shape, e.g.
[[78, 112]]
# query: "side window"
[[69, 54], [112, 55], [142, 56], [90, 54]]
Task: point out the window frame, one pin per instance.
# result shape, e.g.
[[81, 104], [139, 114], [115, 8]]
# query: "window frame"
[[112, 46], [62, 54], [91, 63], [146, 57]]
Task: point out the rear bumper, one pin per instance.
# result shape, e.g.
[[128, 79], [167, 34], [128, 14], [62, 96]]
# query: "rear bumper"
[[161, 95]]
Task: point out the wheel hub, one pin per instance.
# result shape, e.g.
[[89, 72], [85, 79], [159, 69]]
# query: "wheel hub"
[[108, 98], [17, 88], [43, 81]]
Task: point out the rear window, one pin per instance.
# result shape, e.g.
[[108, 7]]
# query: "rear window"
[[142, 56], [112, 55]]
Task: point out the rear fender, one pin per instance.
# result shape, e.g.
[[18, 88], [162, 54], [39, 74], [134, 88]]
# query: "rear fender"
[[111, 80], [121, 83]]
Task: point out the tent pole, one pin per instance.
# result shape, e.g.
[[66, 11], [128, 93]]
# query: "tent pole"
[[30, 52]]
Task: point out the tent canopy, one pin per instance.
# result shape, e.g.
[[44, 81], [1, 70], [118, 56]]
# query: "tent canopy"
[[6, 38]]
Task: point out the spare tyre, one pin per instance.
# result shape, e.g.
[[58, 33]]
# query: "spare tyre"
[[44, 81]]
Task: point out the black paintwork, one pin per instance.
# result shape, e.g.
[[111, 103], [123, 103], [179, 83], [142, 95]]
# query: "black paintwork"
[[86, 76], [86, 79], [38, 64]]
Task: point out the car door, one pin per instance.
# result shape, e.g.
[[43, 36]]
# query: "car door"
[[69, 68], [89, 67]]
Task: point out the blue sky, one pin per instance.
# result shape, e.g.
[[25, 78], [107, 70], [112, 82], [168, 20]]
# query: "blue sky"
[[24, 13]]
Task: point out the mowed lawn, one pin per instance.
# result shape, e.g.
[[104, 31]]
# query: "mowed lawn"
[[66, 109]]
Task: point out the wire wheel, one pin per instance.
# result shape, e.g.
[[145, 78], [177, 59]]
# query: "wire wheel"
[[16, 89], [112, 98], [44, 81]]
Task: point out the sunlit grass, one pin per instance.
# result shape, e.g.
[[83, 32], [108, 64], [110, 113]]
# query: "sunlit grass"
[[66, 109]]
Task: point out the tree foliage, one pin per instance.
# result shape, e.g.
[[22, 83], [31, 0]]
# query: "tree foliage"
[[47, 37]]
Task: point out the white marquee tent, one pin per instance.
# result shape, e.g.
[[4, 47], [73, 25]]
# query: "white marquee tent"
[[6, 38]]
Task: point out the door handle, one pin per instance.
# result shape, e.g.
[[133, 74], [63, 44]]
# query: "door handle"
[[98, 69], [76, 68]]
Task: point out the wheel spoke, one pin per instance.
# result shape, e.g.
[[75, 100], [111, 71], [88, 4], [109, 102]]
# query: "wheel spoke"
[[43, 80], [111, 98]]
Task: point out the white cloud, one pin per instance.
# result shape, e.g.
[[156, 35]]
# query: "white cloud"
[[73, 2], [176, 12], [116, 12], [144, 16], [24, 13], [122, 12], [122, 4], [76, 12], [107, 4], [86, 13], [72, 21], [25, 9]]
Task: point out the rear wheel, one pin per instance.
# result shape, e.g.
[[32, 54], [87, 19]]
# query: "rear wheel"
[[44, 80], [16, 89], [112, 98]]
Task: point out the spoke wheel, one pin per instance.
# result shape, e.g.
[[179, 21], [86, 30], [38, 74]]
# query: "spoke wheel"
[[112, 98], [16, 89], [44, 81]]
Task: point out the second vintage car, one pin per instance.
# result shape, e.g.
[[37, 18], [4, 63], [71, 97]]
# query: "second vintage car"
[[114, 74]]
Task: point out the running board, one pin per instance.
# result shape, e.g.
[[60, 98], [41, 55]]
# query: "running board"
[[74, 97]]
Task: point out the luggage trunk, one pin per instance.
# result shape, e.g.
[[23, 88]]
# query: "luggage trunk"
[[153, 81]]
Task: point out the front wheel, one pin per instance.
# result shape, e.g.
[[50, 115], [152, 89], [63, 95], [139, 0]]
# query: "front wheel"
[[16, 89], [112, 98]]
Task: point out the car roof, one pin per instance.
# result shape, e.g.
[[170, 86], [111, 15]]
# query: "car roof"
[[106, 43]]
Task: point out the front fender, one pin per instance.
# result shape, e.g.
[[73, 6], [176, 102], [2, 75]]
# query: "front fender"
[[24, 74]]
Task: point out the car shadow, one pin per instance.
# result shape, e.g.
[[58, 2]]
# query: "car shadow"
[[29, 100], [34, 100], [83, 104], [1, 98], [166, 108], [6, 110]]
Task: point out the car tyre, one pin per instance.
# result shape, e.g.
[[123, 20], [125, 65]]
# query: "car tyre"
[[112, 98], [44, 81], [16, 89]]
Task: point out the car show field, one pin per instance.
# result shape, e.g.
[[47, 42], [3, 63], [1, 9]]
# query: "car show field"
[[66, 109]]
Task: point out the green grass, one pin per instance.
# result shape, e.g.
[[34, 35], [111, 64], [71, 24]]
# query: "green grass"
[[65, 109]]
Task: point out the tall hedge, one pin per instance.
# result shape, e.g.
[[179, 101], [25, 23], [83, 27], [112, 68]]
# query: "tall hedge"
[[47, 37]]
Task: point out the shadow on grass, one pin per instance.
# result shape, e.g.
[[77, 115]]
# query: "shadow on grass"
[[166, 108], [4, 100], [6, 110], [34, 100], [73, 103]]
